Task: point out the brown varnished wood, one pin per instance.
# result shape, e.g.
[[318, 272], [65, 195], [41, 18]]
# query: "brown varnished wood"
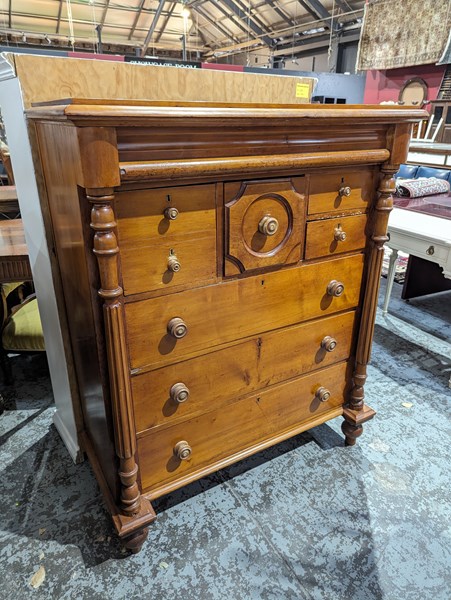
[[147, 237], [244, 453], [215, 435], [70, 223], [352, 425], [155, 144], [246, 207], [324, 190], [397, 141], [256, 339], [14, 262], [321, 239], [132, 530], [221, 115], [233, 310], [220, 377], [244, 165], [106, 250], [99, 157], [73, 401], [146, 144], [12, 238], [9, 202]]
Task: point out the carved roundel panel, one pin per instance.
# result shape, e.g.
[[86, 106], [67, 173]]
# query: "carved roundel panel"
[[267, 224], [264, 224]]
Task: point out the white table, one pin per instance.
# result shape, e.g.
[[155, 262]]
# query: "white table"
[[422, 235]]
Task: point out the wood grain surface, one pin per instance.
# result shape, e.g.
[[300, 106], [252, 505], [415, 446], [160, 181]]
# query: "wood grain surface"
[[233, 310], [78, 78], [140, 144], [147, 238], [246, 207], [215, 435], [269, 164], [324, 191], [254, 354], [14, 262], [59, 151], [321, 241], [218, 378]]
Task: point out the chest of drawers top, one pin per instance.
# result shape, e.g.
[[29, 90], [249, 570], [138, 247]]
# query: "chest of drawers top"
[[220, 271]]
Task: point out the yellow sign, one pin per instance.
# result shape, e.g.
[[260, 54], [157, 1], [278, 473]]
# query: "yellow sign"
[[302, 90]]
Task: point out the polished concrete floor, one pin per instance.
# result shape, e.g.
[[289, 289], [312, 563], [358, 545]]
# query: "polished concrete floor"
[[308, 519]]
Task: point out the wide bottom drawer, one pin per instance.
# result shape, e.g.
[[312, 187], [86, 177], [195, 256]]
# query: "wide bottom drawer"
[[227, 433]]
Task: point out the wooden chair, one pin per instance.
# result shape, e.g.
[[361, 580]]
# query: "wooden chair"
[[21, 324]]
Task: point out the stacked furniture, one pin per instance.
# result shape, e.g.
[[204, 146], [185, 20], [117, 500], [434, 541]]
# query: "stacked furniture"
[[220, 266]]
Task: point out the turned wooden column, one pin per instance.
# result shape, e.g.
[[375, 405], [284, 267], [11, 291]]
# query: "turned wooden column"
[[100, 171], [356, 412], [106, 251]]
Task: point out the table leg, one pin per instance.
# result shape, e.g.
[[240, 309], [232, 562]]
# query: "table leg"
[[390, 278]]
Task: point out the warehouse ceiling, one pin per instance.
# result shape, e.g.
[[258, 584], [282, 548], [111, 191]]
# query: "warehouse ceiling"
[[210, 28]]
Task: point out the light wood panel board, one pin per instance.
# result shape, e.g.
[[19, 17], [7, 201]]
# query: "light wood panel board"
[[80, 78]]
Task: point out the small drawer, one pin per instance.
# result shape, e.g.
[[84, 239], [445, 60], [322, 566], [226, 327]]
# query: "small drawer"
[[166, 329], [264, 223], [213, 380], [340, 190], [333, 236], [171, 454], [167, 237]]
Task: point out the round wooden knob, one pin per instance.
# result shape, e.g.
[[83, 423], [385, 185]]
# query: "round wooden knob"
[[268, 225], [322, 394], [339, 234], [177, 328], [335, 288], [179, 393], [173, 264], [329, 343], [344, 191], [182, 450], [171, 213]]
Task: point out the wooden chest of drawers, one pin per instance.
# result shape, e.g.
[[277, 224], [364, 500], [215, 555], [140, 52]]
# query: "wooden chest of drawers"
[[220, 283]]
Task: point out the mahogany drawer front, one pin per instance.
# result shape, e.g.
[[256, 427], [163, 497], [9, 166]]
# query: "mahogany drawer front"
[[215, 435], [232, 310], [340, 190], [325, 237], [216, 379], [158, 251], [264, 223]]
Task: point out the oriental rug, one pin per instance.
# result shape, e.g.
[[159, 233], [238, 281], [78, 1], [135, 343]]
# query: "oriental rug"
[[399, 34]]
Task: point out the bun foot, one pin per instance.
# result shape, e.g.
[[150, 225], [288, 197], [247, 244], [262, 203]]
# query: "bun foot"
[[134, 542], [352, 424], [352, 432]]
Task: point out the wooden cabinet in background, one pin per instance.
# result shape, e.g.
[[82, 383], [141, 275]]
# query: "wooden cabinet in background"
[[220, 267]]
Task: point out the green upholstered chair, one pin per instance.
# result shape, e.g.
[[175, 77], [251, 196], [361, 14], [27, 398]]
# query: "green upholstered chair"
[[22, 329]]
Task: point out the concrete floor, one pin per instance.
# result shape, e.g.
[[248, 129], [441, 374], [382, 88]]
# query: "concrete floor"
[[308, 519]]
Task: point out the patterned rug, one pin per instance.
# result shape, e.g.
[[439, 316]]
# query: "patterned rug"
[[400, 34]]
